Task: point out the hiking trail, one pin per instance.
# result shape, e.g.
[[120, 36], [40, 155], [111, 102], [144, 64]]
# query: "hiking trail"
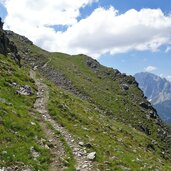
[[80, 154]]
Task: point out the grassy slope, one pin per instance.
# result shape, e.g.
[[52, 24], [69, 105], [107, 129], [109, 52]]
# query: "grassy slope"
[[118, 145], [106, 93], [17, 134]]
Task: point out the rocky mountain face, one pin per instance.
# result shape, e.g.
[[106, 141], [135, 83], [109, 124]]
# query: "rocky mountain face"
[[68, 112], [7, 46], [158, 92]]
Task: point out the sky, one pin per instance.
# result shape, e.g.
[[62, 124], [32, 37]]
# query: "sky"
[[129, 35]]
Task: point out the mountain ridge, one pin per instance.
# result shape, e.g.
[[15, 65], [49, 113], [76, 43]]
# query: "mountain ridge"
[[104, 110], [157, 90]]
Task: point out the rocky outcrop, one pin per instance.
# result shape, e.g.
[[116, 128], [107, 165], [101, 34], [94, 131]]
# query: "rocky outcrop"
[[1, 24], [4, 41], [7, 46]]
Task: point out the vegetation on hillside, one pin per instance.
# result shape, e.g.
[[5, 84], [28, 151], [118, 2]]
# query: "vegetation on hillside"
[[20, 132], [99, 106]]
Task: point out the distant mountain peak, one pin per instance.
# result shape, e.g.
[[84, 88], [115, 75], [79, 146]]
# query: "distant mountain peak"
[[158, 92]]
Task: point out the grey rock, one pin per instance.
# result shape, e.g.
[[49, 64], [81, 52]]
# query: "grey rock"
[[34, 153], [92, 63], [125, 86], [91, 156], [81, 143], [4, 152], [84, 166], [153, 114], [78, 169], [2, 100], [144, 105], [14, 84], [120, 140], [46, 146], [25, 90], [35, 68], [125, 168]]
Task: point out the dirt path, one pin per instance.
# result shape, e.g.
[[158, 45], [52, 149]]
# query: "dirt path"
[[80, 154], [56, 149], [54, 145]]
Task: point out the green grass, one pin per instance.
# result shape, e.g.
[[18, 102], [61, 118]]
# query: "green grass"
[[17, 134], [117, 145], [105, 93], [110, 119]]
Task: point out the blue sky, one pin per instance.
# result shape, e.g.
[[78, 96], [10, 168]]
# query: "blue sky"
[[108, 30], [125, 5], [133, 62]]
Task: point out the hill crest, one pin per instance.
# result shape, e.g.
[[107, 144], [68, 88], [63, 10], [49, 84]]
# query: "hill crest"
[[101, 108]]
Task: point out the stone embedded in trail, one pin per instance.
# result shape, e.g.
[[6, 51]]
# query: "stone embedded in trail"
[[46, 146], [91, 156], [81, 143]]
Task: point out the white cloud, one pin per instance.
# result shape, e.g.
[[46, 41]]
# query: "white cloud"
[[168, 49], [168, 78], [44, 12], [104, 31], [150, 68]]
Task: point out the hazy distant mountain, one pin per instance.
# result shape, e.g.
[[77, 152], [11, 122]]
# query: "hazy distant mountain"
[[158, 92]]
